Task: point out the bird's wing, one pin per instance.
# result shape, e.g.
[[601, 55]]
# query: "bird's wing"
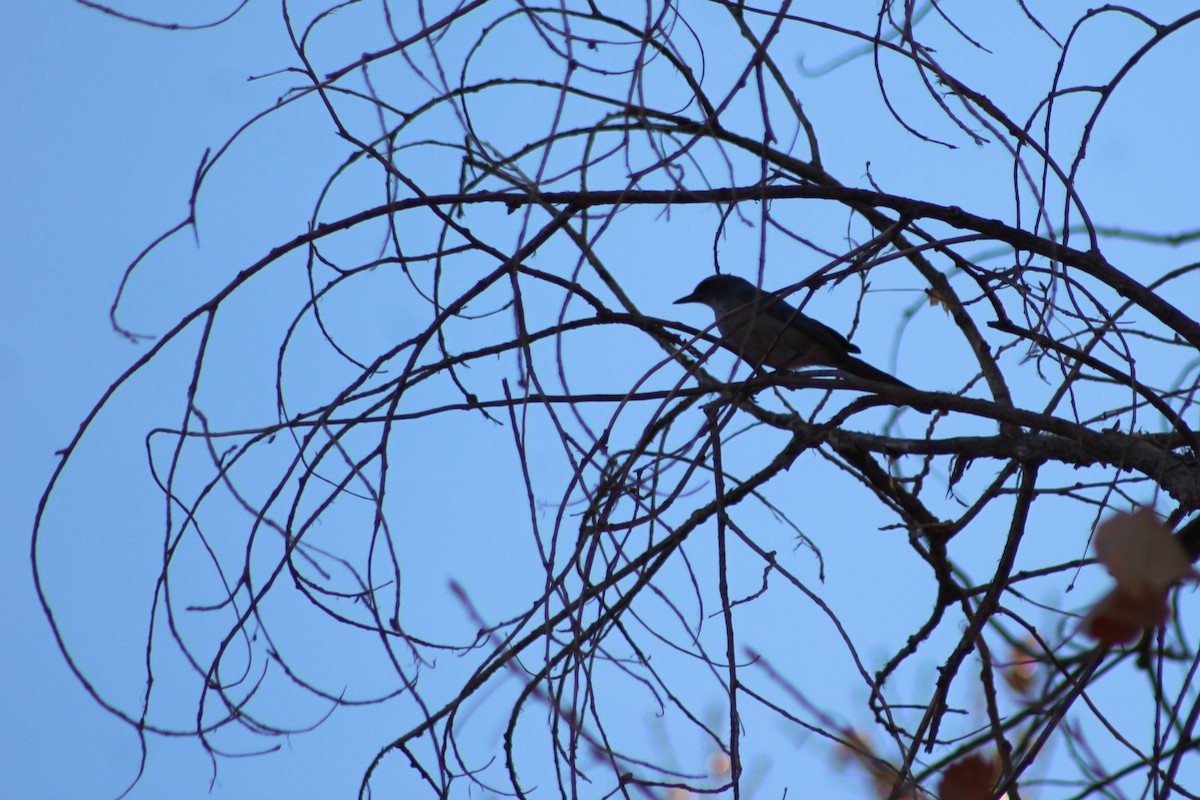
[[819, 332]]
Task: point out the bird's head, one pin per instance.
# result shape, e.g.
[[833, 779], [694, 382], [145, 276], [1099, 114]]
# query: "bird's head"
[[722, 291]]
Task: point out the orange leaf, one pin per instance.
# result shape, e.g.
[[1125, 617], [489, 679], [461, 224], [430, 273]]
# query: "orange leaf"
[[936, 301]]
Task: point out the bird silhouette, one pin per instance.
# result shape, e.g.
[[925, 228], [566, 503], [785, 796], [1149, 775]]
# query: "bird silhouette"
[[765, 331]]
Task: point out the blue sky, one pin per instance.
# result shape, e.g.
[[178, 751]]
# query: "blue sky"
[[107, 124], [107, 127]]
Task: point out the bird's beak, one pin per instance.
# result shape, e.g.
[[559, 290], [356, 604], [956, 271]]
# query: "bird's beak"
[[691, 298]]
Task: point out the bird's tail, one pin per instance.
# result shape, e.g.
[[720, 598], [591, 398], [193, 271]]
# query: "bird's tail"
[[861, 369]]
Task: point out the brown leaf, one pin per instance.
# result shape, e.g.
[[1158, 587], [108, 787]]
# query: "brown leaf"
[[1119, 618], [1141, 555], [1022, 671], [884, 778], [1146, 561], [936, 301], [971, 778]]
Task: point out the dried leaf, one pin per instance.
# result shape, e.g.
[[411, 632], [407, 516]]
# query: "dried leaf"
[[1022, 671], [936, 301], [1119, 618], [1146, 561], [972, 778], [883, 776], [718, 765], [1141, 555], [958, 468]]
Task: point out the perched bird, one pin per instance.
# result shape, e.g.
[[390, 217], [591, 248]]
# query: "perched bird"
[[765, 331]]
